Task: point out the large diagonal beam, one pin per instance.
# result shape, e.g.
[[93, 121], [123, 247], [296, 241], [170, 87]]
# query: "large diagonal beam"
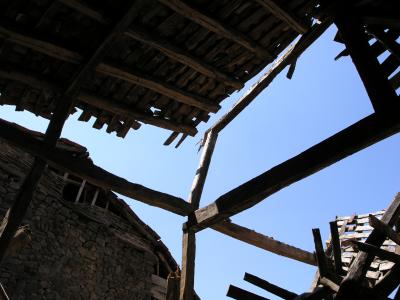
[[129, 75], [345, 143], [85, 169]]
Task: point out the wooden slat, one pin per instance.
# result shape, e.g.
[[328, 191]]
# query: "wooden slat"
[[264, 242], [182, 56], [85, 169], [217, 27], [384, 229], [283, 13], [348, 141], [386, 40], [291, 55], [337, 250], [322, 260], [265, 285], [376, 251], [240, 294], [378, 87]]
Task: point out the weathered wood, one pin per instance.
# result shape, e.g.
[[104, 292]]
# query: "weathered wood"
[[183, 56], [376, 251], [388, 283], [378, 87], [240, 294], [351, 285], [386, 40], [322, 260], [329, 283], [291, 55], [264, 242], [217, 27], [337, 250], [173, 286], [346, 142], [85, 169], [274, 289], [283, 13], [85, 10], [384, 229]]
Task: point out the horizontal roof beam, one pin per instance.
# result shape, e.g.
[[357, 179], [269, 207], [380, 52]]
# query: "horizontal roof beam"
[[85, 169], [358, 136], [217, 27]]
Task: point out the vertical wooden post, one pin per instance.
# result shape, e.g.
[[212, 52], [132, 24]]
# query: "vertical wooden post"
[[337, 250], [78, 196], [189, 238]]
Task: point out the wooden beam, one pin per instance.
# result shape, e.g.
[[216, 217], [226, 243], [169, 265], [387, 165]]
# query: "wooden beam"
[[288, 58], [337, 250], [240, 294], [384, 229], [319, 293], [182, 56], [264, 242], [95, 175], [189, 238], [3, 293], [112, 70], [322, 259], [385, 40], [85, 10], [351, 285], [283, 13], [378, 87], [119, 108], [329, 284], [360, 135], [269, 287], [217, 27], [385, 286], [376, 251]]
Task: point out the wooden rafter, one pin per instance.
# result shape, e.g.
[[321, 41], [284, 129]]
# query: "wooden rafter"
[[85, 169], [283, 13], [384, 229], [131, 75], [217, 27], [113, 106], [386, 40], [241, 294], [272, 288], [348, 141], [85, 10]]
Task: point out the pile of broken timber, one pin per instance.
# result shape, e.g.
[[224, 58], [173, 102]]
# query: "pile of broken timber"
[[361, 261]]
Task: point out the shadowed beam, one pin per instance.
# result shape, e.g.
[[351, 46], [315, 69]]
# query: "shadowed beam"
[[85, 169], [264, 242], [240, 294], [358, 136], [384, 229], [283, 13], [269, 287]]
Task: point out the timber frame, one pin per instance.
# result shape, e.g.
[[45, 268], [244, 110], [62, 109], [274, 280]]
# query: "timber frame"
[[366, 28]]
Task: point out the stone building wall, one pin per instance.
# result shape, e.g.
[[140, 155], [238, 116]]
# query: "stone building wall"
[[75, 252]]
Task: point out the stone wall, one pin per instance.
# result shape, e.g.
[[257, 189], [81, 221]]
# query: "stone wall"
[[74, 253]]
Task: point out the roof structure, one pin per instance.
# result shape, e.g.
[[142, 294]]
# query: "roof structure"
[[170, 63]]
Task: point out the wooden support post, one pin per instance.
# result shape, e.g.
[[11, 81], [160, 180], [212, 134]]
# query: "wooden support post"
[[322, 260], [337, 250], [240, 294], [264, 242], [189, 237], [376, 251], [381, 93], [96, 194], [351, 285], [384, 229], [82, 186], [269, 287]]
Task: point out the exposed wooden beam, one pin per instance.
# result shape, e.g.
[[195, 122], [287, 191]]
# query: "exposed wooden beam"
[[185, 57], [322, 259], [269, 287], [85, 169], [388, 283], [351, 285], [337, 250], [376, 251], [386, 40], [330, 284], [264, 242], [283, 13], [291, 55], [113, 106], [132, 76], [384, 229], [360, 135], [211, 24], [240, 294], [85, 10], [378, 87], [318, 293]]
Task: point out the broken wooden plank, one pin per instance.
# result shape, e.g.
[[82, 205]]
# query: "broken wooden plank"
[[376, 251], [330, 284], [240, 294], [269, 287], [384, 229], [337, 250]]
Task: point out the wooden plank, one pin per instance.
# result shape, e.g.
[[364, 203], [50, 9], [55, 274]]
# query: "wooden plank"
[[378, 87], [384, 229], [351, 285], [291, 55], [386, 40], [173, 286], [283, 13], [376, 251], [329, 283], [240, 294], [337, 250], [182, 56], [264, 242], [95, 175], [322, 260], [388, 283], [348, 141], [217, 27], [269, 287], [85, 10]]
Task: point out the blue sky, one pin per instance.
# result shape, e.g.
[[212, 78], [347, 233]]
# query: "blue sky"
[[323, 97]]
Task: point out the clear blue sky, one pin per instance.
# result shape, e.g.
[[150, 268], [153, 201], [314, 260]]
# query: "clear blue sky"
[[290, 116]]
